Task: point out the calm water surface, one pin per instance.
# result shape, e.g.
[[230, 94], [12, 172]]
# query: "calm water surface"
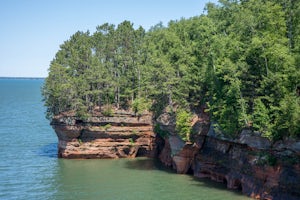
[[29, 168]]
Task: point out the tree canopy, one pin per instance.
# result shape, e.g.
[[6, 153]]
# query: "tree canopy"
[[241, 59]]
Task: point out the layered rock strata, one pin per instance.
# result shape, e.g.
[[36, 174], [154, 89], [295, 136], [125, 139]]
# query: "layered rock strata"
[[250, 163], [258, 173], [120, 135], [261, 173]]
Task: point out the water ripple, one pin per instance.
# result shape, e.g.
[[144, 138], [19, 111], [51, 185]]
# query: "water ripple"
[[49, 150], [30, 169]]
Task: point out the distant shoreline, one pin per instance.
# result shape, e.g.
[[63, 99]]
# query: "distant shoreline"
[[29, 78]]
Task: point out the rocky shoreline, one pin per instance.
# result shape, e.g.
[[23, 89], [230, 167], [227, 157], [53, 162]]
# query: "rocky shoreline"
[[237, 165], [120, 135], [251, 163]]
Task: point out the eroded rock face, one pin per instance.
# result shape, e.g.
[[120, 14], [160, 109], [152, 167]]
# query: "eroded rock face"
[[177, 154], [250, 163], [167, 122], [254, 140], [118, 136], [258, 173]]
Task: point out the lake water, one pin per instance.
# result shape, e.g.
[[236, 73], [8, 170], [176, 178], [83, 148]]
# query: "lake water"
[[29, 168]]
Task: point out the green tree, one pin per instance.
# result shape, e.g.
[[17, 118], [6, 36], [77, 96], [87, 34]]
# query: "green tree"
[[261, 118], [241, 58], [183, 124]]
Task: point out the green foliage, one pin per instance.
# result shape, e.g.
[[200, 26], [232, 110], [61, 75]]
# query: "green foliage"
[[261, 118], [291, 160], [139, 105], [288, 117], [183, 124], [79, 141], [107, 126], [82, 113], [131, 141], [160, 132], [107, 111], [241, 59], [265, 158]]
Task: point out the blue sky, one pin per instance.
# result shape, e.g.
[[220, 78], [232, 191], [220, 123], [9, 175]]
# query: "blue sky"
[[32, 30]]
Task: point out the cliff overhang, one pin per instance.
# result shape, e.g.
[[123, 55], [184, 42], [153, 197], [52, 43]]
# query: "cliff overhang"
[[120, 135], [250, 163]]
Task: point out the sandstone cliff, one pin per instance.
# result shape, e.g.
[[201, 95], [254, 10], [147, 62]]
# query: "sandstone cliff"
[[259, 173], [250, 163], [120, 135]]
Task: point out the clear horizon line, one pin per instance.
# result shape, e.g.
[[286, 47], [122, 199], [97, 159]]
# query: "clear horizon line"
[[21, 77]]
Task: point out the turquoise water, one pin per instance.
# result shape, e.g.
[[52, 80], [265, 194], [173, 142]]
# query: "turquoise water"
[[29, 168]]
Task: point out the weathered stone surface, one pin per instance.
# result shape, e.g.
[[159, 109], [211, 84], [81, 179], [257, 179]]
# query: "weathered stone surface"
[[167, 122], [183, 160], [176, 144], [254, 141], [165, 155], [118, 136], [177, 154], [248, 169], [250, 163], [288, 146], [200, 128], [295, 147]]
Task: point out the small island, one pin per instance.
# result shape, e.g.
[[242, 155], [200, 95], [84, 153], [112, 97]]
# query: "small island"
[[216, 96]]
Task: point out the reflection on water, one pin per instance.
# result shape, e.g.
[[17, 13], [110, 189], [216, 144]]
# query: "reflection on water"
[[144, 164], [140, 178], [30, 169], [49, 150]]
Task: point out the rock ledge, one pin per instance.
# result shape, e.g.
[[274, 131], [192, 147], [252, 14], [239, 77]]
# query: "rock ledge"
[[121, 135]]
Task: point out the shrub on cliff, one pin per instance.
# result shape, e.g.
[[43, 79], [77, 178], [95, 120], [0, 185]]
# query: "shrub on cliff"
[[183, 124], [139, 105], [162, 133], [237, 58], [107, 111]]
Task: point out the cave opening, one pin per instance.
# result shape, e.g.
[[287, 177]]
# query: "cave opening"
[[237, 184], [190, 171]]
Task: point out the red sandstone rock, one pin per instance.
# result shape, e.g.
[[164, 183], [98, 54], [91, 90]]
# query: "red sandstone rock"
[[246, 168], [241, 164], [120, 136], [250, 163], [238, 165], [183, 160], [177, 154]]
